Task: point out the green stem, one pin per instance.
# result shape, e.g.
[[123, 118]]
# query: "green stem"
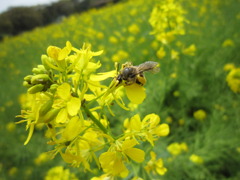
[[97, 122]]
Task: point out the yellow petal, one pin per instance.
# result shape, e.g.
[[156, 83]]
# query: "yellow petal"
[[135, 154], [63, 53], [135, 123], [64, 91], [72, 129], [73, 106], [53, 51], [163, 130], [102, 76], [135, 93], [62, 116], [129, 143]]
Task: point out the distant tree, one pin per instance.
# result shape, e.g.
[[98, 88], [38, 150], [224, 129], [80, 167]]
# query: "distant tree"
[[24, 18]]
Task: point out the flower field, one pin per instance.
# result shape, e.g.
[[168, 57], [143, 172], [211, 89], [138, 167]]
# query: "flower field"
[[182, 123]]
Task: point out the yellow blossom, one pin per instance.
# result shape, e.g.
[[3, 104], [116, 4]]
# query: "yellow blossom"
[[134, 29], [13, 171], [200, 114], [161, 53], [11, 126], [58, 172], [196, 159], [112, 161], [177, 148], [191, 50], [155, 165], [147, 129], [228, 42], [113, 40], [174, 55], [42, 158], [233, 80], [228, 67]]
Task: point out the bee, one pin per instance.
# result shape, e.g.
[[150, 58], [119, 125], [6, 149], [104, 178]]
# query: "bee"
[[130, 74]]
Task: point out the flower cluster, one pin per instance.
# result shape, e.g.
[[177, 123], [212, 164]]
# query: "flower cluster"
[[66, 96], [167, 20]]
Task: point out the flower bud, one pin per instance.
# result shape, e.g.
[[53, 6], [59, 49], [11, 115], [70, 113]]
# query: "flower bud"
[[45, 61], [53, 88], [39, 70], [46, 107], [39, 78], [28, 78], [36, 88], [50, 115], [26, 84]]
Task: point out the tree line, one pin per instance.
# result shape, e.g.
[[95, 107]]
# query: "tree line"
[[19, 19]]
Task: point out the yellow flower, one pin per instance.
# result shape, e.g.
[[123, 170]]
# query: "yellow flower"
[[233, 80], [191, 50], [113, 40], [120, 55], [228, 67], [112, 161], [147, 129], [100, 35], [200, 114], [155, 165], [134, 29], [177, 148], [167, 20], [58, 53], [42, 158], [58, 172], [174, 55], [161, 53], [196, 159], [228, 42], [67, 104], [13, 171], [11, 126]]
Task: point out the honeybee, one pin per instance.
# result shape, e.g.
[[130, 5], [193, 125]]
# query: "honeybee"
[[130, 74]]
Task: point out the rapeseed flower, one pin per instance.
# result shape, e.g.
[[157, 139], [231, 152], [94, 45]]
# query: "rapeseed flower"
[[233, 80], [155, 165], [148, 129], [58, 172], [200, 115], [113, 160], [196, 159], [177, 148]]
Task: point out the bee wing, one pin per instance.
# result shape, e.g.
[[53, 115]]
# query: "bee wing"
[[149, 66]]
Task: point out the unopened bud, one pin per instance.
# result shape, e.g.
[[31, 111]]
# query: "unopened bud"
[[39, 78], [36, 88]]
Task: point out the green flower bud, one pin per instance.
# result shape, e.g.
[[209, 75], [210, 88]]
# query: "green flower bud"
[[28, 78], [39, 70], [39, 78], [46, 107], [50, 115], [53, 88], [36, 88], [45, 61], [26, 84]]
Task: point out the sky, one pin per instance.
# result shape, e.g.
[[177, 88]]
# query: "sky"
[[5, 4]]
